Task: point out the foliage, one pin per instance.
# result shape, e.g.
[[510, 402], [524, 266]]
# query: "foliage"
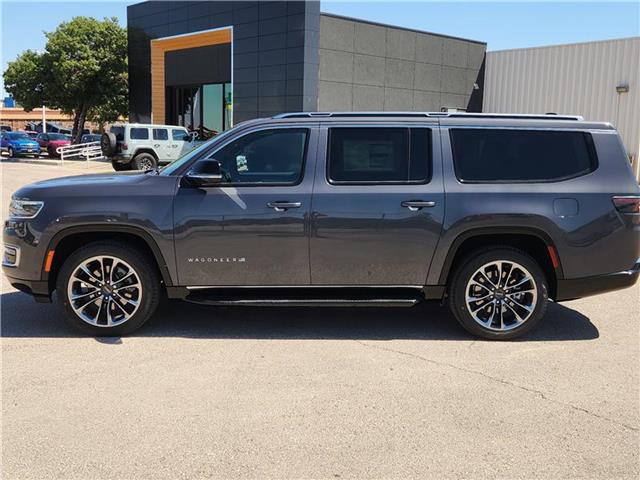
[[83, 72]]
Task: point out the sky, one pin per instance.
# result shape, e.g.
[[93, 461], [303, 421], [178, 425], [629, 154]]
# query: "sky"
[[503, 25]]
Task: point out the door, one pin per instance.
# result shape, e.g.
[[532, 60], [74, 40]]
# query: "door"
[[162, 145], [378, 205], [252, 229]]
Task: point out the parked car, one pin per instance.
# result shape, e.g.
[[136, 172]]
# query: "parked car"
[[492, 214], [5, 128], [90, 137], [18, 144], [52, 141], [31, 134], [143, 147]]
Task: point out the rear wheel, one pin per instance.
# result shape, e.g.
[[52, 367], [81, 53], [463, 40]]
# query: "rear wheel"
[[499, 293], [108, 289], [144, 161]]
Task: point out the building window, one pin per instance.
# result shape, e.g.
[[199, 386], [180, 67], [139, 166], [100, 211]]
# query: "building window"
[[205, 109]]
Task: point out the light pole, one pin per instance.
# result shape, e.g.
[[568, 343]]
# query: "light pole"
[[44, 121]]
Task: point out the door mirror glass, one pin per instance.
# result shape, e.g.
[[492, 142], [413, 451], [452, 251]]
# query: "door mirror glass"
[[205, 173]]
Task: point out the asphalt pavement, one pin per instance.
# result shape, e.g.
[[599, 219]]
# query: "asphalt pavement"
[[301, 393]]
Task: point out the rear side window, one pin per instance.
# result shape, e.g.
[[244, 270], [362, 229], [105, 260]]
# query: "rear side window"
[[502, 155], [139, 134], [160, 134], [379, 155], [118, 132]]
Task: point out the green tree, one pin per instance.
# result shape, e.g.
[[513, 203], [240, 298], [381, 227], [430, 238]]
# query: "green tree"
[[83, 72]]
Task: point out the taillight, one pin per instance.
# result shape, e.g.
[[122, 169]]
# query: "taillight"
[[627, 204], [124, 146]]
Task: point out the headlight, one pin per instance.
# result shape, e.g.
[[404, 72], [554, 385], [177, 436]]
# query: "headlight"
[[19, 208]]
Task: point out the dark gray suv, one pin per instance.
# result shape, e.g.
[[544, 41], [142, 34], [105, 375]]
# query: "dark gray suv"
[[494, 213]]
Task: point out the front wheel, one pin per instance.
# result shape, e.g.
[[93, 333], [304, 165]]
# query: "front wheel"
[[108, 289], [12, 152], [499, 293]]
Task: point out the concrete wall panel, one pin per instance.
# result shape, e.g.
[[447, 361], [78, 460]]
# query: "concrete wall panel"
[[409, 70]]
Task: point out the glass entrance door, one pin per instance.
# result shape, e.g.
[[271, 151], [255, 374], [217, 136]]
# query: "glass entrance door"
[[206, 109]]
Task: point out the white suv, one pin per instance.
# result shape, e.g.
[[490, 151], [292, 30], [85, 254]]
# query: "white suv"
[[134, 146]]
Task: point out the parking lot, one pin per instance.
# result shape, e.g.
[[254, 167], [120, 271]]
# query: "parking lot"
[[203, 392]]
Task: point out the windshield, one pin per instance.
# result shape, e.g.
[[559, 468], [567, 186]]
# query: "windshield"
[[17, 136], [57, 136], [176, 164]]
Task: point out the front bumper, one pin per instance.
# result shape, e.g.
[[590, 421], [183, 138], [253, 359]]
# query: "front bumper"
[[39, 289], [571, 289]]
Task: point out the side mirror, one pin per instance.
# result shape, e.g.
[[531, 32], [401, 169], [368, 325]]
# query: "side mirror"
[[205, 173], [187, 138]]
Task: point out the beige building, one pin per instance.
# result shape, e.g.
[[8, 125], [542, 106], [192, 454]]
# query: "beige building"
[[598, 80]]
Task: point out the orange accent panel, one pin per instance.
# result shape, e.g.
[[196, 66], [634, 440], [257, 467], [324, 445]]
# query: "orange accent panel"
[[160, 46]]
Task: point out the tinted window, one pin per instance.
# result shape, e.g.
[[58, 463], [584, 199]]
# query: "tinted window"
[[139, 134], [267, 156], [490, 155], [160, 134], [118, 132], [178, 135], [57, 136], [379, 155]]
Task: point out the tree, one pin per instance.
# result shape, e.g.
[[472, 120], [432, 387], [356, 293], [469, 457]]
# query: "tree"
[[83, 72]]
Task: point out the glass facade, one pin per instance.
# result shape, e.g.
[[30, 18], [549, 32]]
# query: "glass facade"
[[206, 109]]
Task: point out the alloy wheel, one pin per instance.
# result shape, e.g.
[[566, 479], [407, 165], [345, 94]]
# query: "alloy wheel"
[[104, 291], [501, 295]]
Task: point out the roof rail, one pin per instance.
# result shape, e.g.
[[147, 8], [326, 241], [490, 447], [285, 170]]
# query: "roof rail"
[[521, 116]]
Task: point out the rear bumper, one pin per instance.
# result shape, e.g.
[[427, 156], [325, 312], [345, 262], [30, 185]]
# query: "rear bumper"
[[570, 289]]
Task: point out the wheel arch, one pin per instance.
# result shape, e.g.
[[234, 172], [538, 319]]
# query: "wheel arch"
[[68, 240], [150, 151], [533, 241]]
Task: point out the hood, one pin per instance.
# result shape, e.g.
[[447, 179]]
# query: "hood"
[[81, 185], [23, 141]]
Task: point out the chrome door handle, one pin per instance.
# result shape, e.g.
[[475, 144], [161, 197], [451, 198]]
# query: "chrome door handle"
[[283, 206], [415, 205]]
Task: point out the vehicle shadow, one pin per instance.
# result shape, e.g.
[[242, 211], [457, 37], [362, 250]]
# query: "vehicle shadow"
[[22, 317]]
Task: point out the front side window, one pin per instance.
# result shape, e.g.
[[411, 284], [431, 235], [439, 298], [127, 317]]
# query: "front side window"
[[264, 157], [139, 134], [178, 134], [379, 155], [503, 155], [160, 134]]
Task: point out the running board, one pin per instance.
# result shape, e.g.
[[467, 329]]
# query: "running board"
[[310, 297]]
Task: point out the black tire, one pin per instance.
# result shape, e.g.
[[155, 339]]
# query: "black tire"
[[145, 269], [108, 144], [458, 294], [144, 161], [120, 167]]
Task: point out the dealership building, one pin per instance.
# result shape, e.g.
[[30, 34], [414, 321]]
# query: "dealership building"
[[208, 65]]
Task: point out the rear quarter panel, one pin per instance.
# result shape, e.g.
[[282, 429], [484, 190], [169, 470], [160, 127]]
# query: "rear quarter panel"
[[595, 240]]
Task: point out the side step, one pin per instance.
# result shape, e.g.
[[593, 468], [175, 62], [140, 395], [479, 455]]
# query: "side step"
[[306, 297]]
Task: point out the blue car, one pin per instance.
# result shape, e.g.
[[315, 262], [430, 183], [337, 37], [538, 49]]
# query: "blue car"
[[18, 143]]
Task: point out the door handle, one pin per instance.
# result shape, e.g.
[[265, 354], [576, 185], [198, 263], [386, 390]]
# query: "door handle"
[[415, 205], [283, 206]]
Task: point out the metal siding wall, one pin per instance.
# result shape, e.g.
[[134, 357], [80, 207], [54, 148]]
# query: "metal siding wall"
[[570, 79]]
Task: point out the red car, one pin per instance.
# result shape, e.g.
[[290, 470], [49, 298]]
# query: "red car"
[[51, 141]]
